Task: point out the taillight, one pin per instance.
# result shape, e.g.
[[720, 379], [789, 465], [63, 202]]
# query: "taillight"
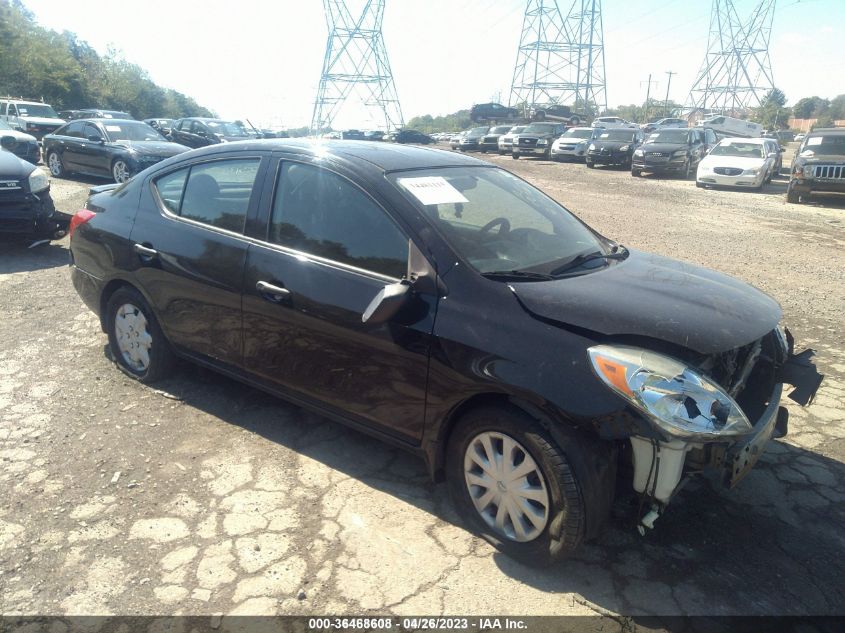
[[79, 218]]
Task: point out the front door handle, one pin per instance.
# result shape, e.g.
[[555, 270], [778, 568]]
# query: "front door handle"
[[145, 252], [274, 294]]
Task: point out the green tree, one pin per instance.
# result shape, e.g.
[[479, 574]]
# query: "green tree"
[[810, 107], [772, 113]]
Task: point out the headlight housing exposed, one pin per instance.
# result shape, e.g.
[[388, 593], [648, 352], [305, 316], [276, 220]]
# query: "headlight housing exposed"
[[679, 153], [638, 152], [677, 399], [542, 141], [38, 181], [624, 148], [592, 147]]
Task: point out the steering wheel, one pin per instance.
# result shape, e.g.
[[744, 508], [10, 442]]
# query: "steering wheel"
[[503, 224]]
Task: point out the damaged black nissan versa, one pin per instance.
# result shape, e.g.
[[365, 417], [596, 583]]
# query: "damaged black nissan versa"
[[446, 306]]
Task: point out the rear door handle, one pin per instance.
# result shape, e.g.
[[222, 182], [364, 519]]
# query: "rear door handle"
[[145, 251], [273, 294]]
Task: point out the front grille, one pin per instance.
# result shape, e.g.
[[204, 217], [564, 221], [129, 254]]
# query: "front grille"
[[490, 139], [527, 142], [9, 185], [657, 154], [727, 171], [829, 172]]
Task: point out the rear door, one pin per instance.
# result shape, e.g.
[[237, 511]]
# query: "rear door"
[[190, 252], [68, 145], [327, 250]]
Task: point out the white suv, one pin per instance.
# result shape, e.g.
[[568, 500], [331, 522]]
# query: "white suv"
[[33, 117], [608, 122]]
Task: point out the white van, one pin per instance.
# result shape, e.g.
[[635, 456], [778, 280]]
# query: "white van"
[[729, 126]]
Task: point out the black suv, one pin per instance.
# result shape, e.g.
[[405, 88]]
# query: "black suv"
[[490, 141], [555, 112], [818, 166], [673, 151], [412, 136], [537, 139], [198, 132], [614, 147], [492, 112]]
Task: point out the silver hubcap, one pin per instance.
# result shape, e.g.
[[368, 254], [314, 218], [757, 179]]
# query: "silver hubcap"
[[54, 164], [121, 173], [133, 339], [506, 486]]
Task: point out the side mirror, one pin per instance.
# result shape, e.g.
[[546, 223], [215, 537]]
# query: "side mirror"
[[95, 138], [8, 142], [387, 303]]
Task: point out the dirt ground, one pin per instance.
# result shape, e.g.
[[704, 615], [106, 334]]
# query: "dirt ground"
[[202, 496]]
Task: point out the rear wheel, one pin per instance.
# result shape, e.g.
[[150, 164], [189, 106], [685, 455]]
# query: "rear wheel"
[[136, 341], [575, 121], [514, 485]]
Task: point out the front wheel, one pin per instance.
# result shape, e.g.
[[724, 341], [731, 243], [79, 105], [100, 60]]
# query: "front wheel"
[[136, 341], [55, 165], [515, 156], [120, 171], [590, 164], [515, 486], [637, 173], [792, 196]]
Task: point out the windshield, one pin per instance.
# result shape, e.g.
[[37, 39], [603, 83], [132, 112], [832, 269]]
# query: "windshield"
[[739, 149], [673, 135], [540, 128], [617, 135], [496, 221], [517, 129], [579, 133], [131, 131], [225, 128], [37, 110], [478, 131], [829, 145], [501, 129]]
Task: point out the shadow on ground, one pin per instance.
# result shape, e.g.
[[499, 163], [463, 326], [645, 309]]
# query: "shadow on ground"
[[773, 546], [16, 256]]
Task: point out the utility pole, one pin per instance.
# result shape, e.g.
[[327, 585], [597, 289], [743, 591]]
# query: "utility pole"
[[669, 83], [647, 97]]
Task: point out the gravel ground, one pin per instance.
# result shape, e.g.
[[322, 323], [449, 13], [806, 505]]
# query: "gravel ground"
[[203, 496]]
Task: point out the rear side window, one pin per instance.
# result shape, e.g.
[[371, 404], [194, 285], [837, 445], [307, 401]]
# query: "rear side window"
[[321, 213], [215, 193]]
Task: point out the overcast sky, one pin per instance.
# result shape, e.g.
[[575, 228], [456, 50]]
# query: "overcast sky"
[[262, 59]]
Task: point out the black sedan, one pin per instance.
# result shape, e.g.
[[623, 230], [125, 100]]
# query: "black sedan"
[[162, 126], [200, 132], [110, 148], [412, 136], [613, 147], [26, 207], [448, 307]]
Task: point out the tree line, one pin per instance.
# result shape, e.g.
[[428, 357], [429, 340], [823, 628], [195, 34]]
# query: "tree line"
[[66, 72]]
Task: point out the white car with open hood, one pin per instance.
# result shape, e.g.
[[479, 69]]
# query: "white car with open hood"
[[737, 162]]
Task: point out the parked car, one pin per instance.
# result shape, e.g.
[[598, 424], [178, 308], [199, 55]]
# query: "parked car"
[[799, 137], [22, 145], [613, 147], [26, 207], [818, 166], [774, 147], [33, 117], [352, 135], [199, 132], [556, 112], [573, 144], [613, 122], [327, 297], [455, 140], [673, 151], [412, 136], [95, 113], [738, 162], [506, 140], [490, 141], [726, 126], [110, 148], [471, 139], [536, 139], [492, 112], [661, 124], [162, 126], [374, 135]]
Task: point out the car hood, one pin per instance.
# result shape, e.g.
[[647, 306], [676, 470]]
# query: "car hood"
[[21, 137], [13, 168], [154, 148], [660, 298], [36, 120], [740, 162], [611, 145], [570, 140], [663, 147], [820, 158]]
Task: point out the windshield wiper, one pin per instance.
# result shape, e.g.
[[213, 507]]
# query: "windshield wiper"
[[619, 252], [516, 275]]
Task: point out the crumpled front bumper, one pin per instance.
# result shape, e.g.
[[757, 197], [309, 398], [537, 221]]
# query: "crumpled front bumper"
[[32, 215]]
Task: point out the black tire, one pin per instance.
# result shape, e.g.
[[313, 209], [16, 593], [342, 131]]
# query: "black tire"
[[575, 121], [565, 527], [590, 164], [55, 165], [687, 170], [515, 156], [637, 173], [699, 184], [502, 152], [792, 196], [161, 358]]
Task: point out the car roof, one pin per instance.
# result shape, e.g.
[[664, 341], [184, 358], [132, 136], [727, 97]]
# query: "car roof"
[[384, 156], [104, 120], [827, 130], [740, 139]]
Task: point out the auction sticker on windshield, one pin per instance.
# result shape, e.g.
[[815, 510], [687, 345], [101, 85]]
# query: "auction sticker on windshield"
[[432, 190]]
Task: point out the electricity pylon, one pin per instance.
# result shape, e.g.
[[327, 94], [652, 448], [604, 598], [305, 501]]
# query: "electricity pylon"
[[356, 58], [737, 72], [561, 57]]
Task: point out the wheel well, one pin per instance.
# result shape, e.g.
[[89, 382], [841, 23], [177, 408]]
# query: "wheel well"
[[111, 287]]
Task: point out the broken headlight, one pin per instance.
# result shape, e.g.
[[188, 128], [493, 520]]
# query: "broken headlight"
[[676, 398]]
